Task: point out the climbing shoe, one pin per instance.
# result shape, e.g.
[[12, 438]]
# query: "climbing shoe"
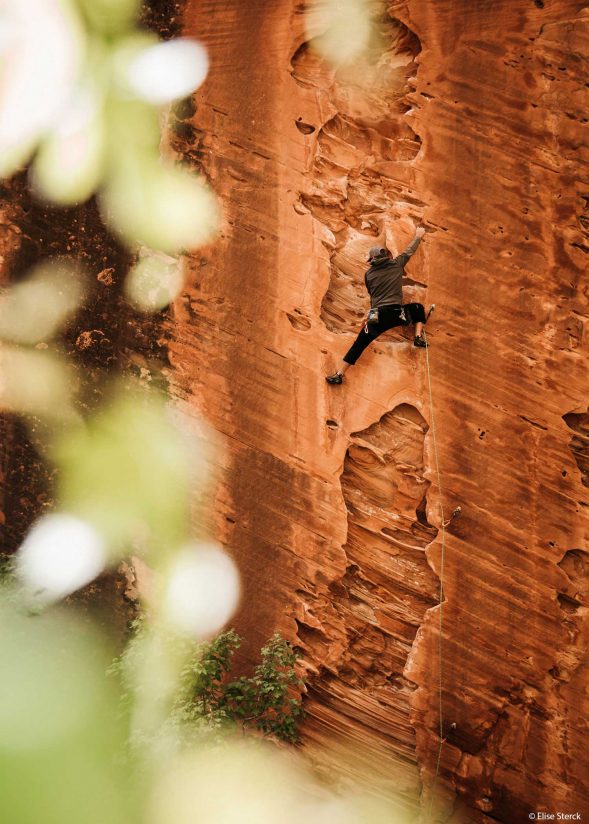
[[419, 340], [337, 378]]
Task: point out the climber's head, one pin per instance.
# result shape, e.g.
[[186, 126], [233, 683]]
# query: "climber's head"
[[378, 253]]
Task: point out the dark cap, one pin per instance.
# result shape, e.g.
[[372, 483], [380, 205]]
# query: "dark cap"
[[377, 251]]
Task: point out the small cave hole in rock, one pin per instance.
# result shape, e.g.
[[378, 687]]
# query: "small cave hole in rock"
[[298, 321], [331, 424], [564, 473], [307, 634], [305, 128], [568, 604], [421, 512], [539, 4]]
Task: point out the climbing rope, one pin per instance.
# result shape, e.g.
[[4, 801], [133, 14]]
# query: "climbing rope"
[[441, 593]]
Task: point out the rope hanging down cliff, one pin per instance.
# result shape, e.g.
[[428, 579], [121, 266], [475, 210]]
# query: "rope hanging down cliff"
[[441, 591], [383, 281]]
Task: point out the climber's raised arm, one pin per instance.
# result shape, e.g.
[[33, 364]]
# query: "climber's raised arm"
[[412, 248]]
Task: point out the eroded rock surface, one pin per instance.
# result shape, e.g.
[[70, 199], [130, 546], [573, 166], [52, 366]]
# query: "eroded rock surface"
[[379, 603], [329, 496], [356, 184]]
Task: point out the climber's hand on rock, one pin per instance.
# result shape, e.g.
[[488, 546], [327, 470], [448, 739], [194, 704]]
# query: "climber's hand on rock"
[[420, 231]]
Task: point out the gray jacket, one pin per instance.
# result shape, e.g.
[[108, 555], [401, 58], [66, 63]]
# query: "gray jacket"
[[384, 278]]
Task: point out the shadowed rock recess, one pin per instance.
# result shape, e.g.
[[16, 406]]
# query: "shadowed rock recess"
[[470, 118]]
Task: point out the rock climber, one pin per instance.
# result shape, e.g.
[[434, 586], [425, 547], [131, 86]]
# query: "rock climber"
[[384, 284]]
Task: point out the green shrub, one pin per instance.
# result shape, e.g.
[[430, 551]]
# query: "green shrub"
[[269, 701]]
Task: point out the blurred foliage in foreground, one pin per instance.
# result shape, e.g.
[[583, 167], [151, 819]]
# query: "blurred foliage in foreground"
[[65, 728], [80, 96], [151, 745]]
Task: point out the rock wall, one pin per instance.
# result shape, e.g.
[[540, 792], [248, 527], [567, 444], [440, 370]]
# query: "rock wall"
[[471, 121]]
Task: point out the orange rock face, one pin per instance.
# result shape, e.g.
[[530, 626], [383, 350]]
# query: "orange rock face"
[[471, 123]]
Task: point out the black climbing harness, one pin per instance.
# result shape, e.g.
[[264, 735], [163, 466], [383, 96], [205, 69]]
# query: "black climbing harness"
[[373, 318]]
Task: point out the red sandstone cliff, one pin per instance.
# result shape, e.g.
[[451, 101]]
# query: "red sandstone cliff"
[[329, 499], [474, 126]]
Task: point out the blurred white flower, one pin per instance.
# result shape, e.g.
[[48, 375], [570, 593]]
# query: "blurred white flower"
[[163, 207], [202, 590], [60, 554], [34, 383], [41, 45], [70, 162], [87, 104], [33, 309], [344, 28], [168, 71], [154, 282]]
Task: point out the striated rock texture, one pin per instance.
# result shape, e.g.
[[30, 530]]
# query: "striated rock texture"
[[472, 120]]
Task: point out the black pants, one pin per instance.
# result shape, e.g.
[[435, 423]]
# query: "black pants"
[[388, 318]]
